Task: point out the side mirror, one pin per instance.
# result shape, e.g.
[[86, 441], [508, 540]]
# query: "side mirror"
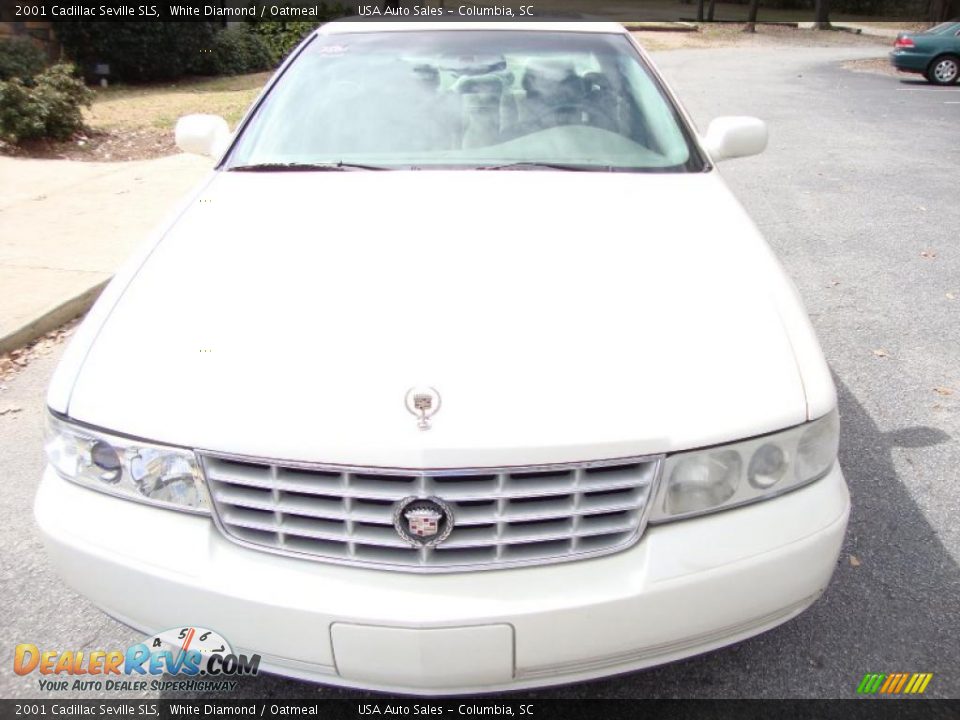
[[202, 134], [733, 137]]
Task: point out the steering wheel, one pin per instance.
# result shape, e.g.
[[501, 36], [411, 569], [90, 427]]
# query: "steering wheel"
[[541, 120]]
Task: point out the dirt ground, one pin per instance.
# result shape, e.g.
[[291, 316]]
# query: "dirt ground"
[[880, 66], [733, 35], [98, 146]]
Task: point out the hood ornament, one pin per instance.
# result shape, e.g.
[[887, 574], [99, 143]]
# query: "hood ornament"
[[423, 402]]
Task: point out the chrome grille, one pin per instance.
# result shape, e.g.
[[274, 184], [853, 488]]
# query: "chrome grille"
[[502, 516]]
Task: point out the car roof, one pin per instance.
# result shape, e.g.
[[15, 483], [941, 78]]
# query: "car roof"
[[360, 25], [946, 25]]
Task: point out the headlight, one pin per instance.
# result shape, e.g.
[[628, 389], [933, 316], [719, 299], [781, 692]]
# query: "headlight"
[[153, 474], [702, 481]]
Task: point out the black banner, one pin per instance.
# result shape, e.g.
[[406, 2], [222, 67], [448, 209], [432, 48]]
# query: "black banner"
[[651, 11], [471, 709]]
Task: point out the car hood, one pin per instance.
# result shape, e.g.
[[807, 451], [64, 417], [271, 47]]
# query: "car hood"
[[561, 316]]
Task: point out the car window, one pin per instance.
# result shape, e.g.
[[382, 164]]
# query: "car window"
[[466, 99]]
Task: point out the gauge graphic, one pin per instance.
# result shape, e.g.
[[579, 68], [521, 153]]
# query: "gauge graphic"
[[183, 639]]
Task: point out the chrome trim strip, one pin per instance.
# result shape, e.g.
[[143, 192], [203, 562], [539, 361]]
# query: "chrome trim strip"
[[432, 472]]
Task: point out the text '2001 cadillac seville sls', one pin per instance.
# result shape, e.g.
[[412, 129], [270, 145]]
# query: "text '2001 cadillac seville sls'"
[[462, 371]]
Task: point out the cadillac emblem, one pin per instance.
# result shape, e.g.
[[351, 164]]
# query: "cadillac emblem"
[[424, 402], [423, 522]]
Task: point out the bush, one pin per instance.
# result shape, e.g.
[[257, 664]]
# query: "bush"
[[235, 50], [50, 108], [20, 58], [137, 51], [281, 37]]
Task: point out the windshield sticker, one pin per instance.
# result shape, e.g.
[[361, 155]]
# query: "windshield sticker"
[[332, 49]]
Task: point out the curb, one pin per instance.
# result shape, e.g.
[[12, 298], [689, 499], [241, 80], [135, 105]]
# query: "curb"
[[52, 319], [661, 26]]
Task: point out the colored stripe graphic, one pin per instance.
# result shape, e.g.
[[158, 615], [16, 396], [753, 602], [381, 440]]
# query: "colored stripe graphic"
[[890, 682], [921, 686], [871, 683], [894, 683]]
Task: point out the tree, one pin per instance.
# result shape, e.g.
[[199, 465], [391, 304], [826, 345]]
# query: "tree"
[[752, 16], [943, 10], [821, 19], [700, 10], [710, 9], [136, 51]]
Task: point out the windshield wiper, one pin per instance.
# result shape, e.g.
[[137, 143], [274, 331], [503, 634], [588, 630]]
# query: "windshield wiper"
[[304, 167], [547, 166]]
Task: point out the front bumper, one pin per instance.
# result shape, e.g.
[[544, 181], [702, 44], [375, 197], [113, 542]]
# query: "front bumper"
[[687, 587]]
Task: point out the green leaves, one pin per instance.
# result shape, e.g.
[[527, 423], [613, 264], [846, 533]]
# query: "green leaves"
[[137, 51], [235, 50], [20, 58], [49, 108], [282, 36]]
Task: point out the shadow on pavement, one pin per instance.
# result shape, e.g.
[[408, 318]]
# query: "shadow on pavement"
[[921, 83]]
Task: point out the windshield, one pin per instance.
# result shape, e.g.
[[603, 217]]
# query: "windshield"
[[468, 99]]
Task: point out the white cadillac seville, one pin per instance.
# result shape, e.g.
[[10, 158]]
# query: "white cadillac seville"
[[462, 371]]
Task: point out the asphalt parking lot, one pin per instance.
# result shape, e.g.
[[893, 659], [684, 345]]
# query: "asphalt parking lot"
[[858, 194]]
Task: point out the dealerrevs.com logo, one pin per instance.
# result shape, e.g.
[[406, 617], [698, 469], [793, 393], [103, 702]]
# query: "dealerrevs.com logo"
[[198, 659]]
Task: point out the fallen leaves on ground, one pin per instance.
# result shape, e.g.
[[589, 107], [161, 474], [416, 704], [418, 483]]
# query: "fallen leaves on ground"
[[880, 352], [943, 391], [101, 146], [855, 561], [928, 254], [14, 361], [881, 66]]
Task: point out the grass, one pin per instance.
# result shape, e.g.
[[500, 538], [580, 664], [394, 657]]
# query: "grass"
[[157, 107]]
